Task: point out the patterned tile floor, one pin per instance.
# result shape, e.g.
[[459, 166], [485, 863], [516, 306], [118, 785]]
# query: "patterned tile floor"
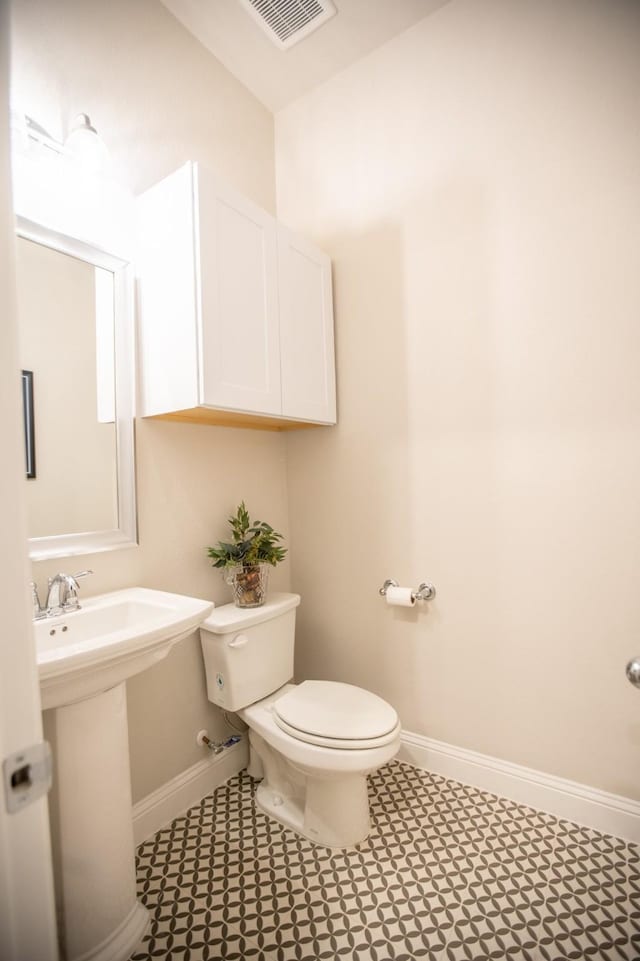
[[449, 873]]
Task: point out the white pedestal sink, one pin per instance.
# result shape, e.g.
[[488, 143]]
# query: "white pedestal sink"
[[84, 659]]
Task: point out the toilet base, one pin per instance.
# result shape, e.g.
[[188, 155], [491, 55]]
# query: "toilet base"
[[331, 810]]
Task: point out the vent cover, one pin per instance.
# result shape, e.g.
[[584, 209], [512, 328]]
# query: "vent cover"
[[287, 21]]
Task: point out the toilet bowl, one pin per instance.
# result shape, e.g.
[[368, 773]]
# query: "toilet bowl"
[[312, 745], [318, 789]]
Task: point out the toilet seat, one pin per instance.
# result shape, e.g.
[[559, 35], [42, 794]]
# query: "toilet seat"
[[336, 715]]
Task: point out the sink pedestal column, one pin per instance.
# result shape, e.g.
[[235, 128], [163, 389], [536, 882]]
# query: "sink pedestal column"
[[94, 850]]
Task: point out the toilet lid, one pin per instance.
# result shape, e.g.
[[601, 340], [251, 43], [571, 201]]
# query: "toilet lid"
[[332, 711]]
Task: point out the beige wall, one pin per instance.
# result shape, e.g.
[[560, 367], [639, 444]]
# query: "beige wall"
[[476, 182], [158, 99]]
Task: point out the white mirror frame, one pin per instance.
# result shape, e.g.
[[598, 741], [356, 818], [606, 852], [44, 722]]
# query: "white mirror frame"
[[126, 534]]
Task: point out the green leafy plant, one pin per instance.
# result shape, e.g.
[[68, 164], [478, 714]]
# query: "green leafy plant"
[[253, 542]]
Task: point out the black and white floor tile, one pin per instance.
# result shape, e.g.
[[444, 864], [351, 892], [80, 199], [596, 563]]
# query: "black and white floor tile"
[[449, 873]]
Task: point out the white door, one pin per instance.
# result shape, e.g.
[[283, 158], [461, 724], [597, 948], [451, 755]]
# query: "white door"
[[239, 300], [27, 915], [306, 330]]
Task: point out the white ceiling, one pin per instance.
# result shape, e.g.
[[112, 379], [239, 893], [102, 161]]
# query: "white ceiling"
[[277, 77]]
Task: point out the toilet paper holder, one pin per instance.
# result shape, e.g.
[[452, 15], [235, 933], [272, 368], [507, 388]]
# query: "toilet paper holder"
[[424, 591]]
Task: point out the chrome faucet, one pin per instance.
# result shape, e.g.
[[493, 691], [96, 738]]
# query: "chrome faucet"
[[62, 597], [63, 593]]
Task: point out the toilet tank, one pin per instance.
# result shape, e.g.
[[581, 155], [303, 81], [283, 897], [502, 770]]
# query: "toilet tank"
[[248, 652]]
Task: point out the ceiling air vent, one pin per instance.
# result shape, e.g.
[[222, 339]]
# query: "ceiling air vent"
[[288, 21]]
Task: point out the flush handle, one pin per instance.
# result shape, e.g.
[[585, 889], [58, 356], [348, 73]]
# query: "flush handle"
[[238, 641]]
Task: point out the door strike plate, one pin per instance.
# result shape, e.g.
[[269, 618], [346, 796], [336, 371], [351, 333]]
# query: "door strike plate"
[[27, 776]]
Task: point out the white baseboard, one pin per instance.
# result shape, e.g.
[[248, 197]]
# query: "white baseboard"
[[180, 793], [584, 805]]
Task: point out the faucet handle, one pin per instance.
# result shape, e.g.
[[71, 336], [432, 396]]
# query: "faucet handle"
[[72, 579], [37, 609], [71, 598]]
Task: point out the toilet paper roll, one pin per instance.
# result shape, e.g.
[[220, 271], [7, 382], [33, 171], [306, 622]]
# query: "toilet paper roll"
[[400, 597]]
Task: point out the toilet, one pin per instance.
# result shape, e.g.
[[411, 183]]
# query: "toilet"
[[311, 744]]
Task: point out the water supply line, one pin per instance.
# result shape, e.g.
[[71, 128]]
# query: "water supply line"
[[203, 740]]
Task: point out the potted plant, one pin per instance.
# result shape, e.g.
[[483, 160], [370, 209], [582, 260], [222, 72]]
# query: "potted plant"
[[246, 559]]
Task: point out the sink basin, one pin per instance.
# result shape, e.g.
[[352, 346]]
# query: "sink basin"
[[109, 639]]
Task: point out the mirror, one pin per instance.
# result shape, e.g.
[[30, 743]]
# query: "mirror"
[[75, 315]]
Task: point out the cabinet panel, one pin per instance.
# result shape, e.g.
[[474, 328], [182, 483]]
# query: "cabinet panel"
[[306, 330], [239, 301], [165, 269]]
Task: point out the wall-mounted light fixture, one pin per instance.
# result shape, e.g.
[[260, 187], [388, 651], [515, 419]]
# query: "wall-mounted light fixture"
[[83, 144], [68, 183]]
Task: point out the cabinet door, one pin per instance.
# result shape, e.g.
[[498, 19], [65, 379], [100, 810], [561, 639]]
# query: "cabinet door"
[[240, 364], [165, 266], [306, 330]]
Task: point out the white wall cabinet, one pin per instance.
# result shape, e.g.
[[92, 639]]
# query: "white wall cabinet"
[[235, 311]]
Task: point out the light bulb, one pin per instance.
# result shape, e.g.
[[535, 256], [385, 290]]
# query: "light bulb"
[[85, 146]]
